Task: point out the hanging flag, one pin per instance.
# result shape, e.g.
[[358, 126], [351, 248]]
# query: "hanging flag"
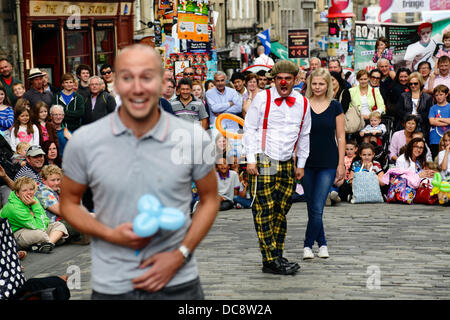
[[265, 40]]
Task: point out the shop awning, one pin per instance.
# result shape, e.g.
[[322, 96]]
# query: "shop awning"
[[281, 52]]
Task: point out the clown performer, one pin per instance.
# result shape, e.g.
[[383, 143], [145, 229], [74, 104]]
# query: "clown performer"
[[276, 128]]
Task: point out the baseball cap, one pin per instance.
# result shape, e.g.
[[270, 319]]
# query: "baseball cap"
[[34, 151]]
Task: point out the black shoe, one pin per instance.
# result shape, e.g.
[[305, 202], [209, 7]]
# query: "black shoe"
[[45, 247], [286, 263], [277, 267]]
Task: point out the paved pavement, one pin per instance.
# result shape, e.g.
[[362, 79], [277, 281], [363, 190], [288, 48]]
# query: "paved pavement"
[[377, 251]]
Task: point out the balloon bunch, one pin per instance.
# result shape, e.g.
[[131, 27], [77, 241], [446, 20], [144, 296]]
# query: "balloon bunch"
[[152, 216], [441, 188]]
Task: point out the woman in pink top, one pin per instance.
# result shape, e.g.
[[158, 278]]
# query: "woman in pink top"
[[402, 137]]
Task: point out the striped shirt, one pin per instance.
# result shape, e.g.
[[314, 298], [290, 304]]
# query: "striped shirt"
[[6, 118], [193, 111], [28, 171]]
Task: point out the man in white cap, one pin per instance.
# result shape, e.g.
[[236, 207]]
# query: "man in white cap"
[[277, 123], [36, 92]]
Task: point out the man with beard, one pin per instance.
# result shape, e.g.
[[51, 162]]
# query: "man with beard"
[[277, 123], [7, 80]]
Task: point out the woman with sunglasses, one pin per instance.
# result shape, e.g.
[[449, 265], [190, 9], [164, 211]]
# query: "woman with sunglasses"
[[374, 78], [416, 102]]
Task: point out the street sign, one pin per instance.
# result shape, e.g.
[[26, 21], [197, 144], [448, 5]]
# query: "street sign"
[[298, 43]]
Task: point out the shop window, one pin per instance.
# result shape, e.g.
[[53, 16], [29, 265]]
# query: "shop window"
[[77, 49], [104, 47]]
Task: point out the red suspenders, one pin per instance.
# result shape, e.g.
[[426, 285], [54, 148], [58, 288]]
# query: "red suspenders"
[[266, 118]]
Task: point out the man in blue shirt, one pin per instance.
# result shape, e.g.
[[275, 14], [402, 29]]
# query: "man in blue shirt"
[[223, 99]]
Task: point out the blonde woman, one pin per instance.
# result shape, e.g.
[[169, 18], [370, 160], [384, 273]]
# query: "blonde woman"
[[366, 98], [325, 164]]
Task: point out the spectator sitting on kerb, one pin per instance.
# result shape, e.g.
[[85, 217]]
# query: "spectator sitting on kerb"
[[29, 222]]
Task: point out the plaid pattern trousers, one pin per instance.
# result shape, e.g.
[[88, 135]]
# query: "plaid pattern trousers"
[[274, 188]]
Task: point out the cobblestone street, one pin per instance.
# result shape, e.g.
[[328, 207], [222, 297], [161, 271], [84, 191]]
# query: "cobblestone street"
[[377, 251]]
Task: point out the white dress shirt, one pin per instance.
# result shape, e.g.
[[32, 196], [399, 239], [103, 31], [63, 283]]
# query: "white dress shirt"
[[282, 128]]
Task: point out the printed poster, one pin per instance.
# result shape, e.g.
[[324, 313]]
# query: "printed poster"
[[404, 41]]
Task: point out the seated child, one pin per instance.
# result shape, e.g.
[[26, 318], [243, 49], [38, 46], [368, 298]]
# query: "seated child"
[[28, 220], [364, 162], [48, 195], [19, 156], [228, 184], [375, 130], [243, 199]]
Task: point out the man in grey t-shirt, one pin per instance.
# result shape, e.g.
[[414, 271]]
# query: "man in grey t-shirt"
[[139, 149]]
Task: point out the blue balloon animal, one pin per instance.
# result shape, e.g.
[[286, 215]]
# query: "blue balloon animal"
[[152, 216]]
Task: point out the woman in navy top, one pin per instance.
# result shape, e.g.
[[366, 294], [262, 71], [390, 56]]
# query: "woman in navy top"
[[325, 164]]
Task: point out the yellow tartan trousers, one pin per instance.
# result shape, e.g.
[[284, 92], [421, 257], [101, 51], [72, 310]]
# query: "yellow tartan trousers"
[[275, 186]]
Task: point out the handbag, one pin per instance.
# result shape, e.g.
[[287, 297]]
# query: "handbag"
[[366, 188], [423, 193], [354, 120], [399, 191], [374, 98]]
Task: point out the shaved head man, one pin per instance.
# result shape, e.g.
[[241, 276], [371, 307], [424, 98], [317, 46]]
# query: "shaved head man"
[[119, 157]]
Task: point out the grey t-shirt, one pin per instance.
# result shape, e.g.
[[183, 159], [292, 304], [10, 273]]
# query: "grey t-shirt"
[[119, 168], [227, 185]]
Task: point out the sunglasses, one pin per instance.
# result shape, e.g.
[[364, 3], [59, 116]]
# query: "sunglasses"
[[188, 74], [413, 83], [106, 72], [376, 78]]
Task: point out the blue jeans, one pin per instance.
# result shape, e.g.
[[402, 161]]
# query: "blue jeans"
[[243, 201], [316, 183]]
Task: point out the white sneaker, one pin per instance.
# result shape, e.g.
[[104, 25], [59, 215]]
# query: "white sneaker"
[[307, 253], [323, 252], [334, 196]]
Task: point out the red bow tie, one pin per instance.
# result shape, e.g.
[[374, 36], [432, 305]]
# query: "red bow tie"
[[289, 101]]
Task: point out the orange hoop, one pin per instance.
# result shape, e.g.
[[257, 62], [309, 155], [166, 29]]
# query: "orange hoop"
[[231, 117]]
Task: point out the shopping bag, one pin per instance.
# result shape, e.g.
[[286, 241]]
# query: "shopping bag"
[[366, 188], [399, 191]]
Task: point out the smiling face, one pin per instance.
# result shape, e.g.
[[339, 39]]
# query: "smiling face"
[[375, 79], [284, 82], [403, 78], [417, 150], [138, 82], [363, 81], [222, 166], [366, 155], [5, 68], [36, 162], [410, 126], [53, 181], [185, 92]]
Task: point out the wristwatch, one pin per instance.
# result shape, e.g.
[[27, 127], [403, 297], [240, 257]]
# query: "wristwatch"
[[187, 254]]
